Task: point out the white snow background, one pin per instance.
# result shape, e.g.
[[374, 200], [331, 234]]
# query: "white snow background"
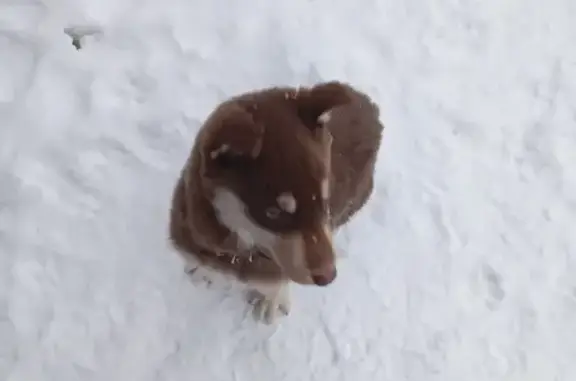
[[461, 268]]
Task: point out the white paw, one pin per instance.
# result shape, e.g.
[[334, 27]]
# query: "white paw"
[[198, 275], [270, 303]]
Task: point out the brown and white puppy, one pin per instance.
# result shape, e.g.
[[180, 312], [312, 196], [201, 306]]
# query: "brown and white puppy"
[[272, 174]]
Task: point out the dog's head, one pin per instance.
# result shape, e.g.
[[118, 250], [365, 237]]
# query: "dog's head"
[[267, 159]]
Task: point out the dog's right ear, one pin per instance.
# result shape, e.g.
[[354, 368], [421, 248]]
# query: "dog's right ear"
[[233, 141]]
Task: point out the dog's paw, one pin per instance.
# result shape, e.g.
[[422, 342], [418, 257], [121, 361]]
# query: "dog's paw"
[[269, 306], [198, 276], [267, 310]]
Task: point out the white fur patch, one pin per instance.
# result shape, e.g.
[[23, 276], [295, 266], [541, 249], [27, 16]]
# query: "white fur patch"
[[325, 117], [325, 189], [231, 212], [287, 202], [328, 233], [223, 148]]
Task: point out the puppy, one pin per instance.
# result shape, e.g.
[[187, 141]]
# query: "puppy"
[[271, 175]]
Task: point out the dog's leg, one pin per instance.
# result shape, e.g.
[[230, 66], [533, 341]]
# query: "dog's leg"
[[269, 299]]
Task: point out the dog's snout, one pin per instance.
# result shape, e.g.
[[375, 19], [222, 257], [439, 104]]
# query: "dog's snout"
[[320, 258], [324, 278]]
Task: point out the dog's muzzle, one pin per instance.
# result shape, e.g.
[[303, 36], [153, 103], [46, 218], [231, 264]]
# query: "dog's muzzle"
[[307, 257]]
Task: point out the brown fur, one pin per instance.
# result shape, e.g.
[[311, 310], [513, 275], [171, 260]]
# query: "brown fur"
[[276, 143]]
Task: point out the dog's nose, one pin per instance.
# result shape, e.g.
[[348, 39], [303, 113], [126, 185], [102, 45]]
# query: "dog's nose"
[[324, 279]]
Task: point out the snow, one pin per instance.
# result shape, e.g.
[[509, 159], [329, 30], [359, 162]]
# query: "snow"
[[460, 268]]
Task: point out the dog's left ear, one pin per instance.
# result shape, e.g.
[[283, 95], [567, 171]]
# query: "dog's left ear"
[[233, 141], [315, 103]]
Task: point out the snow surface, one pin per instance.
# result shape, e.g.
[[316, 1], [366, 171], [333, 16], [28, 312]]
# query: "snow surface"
[[462, 267]]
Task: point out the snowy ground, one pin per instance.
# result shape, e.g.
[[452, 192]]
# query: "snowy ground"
[[462, 268]]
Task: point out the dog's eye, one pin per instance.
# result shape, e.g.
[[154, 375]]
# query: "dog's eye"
[[231, 161], [273, 212]]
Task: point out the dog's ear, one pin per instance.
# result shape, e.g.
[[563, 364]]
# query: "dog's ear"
[[234, 140], [315, 103]]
